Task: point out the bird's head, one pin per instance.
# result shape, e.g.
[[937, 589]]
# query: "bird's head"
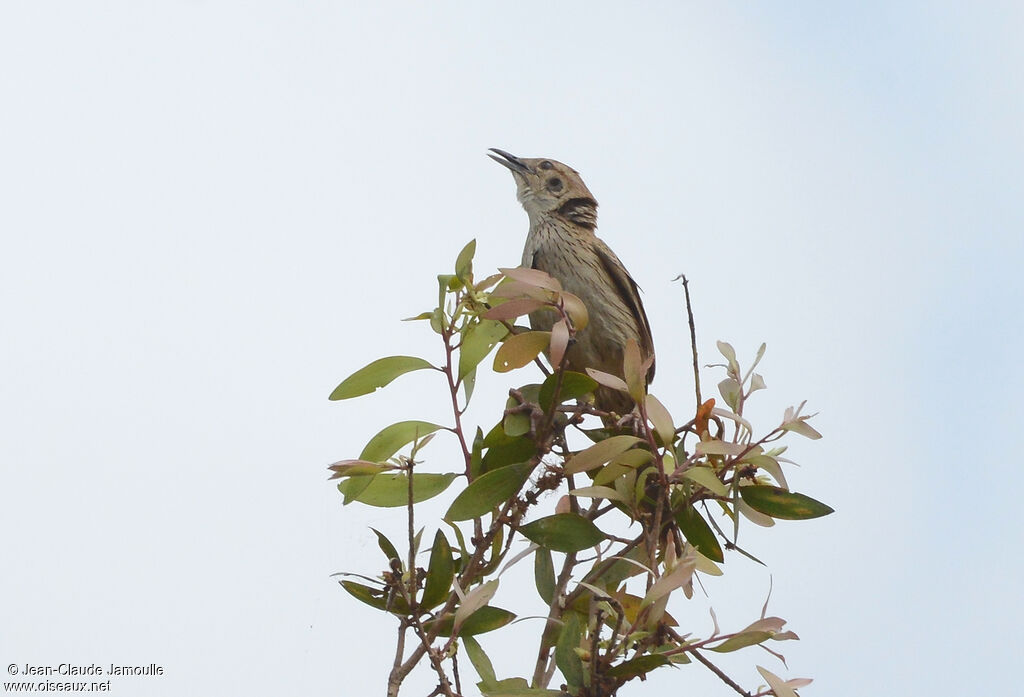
[[548, 188]]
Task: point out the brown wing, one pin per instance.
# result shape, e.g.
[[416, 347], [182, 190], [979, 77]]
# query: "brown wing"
[[629, 291]]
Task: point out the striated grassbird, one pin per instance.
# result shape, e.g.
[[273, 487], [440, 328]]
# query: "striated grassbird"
[[561, 242]]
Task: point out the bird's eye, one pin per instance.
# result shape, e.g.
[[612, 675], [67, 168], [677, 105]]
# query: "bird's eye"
[[555, 184], [546, 165]]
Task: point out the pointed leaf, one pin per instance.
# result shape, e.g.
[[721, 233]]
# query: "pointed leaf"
[[698, 533], [544, 574], [489, 490], [730, 391], [351, 468], [440, 573], [477, 342], [376, 597], [779, 503], [599, 453], [741, 641], [634, 370], [503, 450], [392, 490], [661, 419], [576, 310], [599, 492], [756, 383], [803, 428], [517, 290], [755, 517], [464, 262], [730, 355], [533, 277], [707, 479], [512, 309], [392, 438], [376, 375], [638, 667], [608, 380], [721, 447], [519, 350], [475, 599], [573, 386], [563, 532], [770, 465], [566, 658], [486, 619], [778, 685], [480, 661], [385, 546], [518, 687], [559, 342], [677, 577]]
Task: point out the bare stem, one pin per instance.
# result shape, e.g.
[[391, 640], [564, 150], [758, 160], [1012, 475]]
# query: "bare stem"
[[718, 671], [693, 339]]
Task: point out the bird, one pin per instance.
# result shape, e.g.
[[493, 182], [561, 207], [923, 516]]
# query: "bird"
[[562, 243]]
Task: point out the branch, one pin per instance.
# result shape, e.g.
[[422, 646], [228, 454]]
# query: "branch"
[[718, 671], [693, 337]]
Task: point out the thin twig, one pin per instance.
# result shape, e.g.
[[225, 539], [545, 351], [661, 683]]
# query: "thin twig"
[[397, 674], [718, 671], [693, 337]]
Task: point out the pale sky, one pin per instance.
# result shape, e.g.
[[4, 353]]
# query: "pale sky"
[[213, 212]]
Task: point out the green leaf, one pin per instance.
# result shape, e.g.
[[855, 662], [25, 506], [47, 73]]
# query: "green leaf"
[[476, 455], [489, 490], [385, 546], [544, 574], [566, 658], [779, 503], [599, 453], [486, 619], [599, 492], [635, 371], [349, 468], [477, 342], [440, 573], [392, 438], [353, 486], [638, 667], [698, 533], [481, 662], [520, 349], [707, 479], [517, 424], [720, 447], [376, 597], [475, 599], [661, 419], [563, 532], [730, 391], [629, 565], [518, 687], [464, 262], [376, 375], [741, 641], [574, 386], [506, 450], [392, 490]]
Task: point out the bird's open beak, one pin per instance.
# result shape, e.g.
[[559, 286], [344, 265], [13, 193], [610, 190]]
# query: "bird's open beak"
[[509, 160]]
